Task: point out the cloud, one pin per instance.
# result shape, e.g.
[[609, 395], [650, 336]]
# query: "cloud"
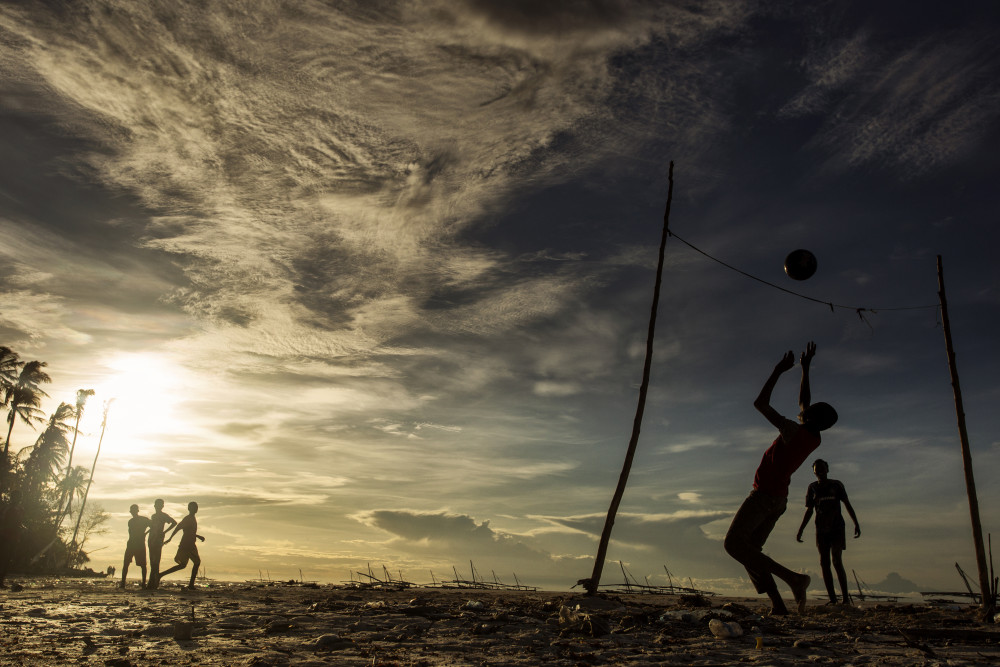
[[912, 109], [445, 534]]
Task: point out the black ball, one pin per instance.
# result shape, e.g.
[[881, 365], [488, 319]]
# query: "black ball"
[[800, 264]]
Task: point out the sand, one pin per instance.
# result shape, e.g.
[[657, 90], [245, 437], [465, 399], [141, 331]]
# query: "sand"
[[66, 622]]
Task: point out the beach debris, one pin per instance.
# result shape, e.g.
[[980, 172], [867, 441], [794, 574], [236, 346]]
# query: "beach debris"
[[725, 629], [280, 626], [474, 605], [330, 642], [182, 630], [574, 620]]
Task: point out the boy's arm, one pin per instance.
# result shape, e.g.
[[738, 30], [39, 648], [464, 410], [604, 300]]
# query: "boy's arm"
[[805, 396], [805, 522], [854, 517], [200, 538], [172, 533], [763, 400]]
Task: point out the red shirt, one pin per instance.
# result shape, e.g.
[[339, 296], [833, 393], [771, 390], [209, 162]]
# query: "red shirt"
[[793, 445]]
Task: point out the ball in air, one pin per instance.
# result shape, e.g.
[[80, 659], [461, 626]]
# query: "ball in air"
[[800, 264]]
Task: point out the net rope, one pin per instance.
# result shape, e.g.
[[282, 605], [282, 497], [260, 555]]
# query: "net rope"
[[833, 306]]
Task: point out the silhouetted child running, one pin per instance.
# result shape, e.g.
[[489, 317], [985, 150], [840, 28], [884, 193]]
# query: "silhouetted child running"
[[136, 546], [825, 496], [188, 548], [759, 513], [158, 527]]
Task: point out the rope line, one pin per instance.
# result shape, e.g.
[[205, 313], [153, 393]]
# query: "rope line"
[[860, 311]]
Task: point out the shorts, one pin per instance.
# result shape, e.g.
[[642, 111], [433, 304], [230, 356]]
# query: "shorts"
[[186, 553], [138, 553], [833, 537]]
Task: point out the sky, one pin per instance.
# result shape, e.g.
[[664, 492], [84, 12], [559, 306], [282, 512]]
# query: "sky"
[[371, 281]]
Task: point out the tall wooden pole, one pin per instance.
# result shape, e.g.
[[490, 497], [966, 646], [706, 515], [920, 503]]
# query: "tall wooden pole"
[[591, 584], [963, 435]]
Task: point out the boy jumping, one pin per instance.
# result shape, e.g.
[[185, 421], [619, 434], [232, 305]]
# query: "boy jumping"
[[759, 513]]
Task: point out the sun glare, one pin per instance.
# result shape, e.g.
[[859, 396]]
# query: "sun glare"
[[141, 392]]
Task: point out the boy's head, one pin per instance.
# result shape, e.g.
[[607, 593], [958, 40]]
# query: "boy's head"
[[134, 509], [192, 507], [821, 467], [819, 416], [158, 504]]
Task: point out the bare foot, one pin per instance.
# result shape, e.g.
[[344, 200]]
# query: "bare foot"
[[799, 592]]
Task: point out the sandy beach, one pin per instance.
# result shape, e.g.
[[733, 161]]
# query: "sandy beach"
[[90, 622]]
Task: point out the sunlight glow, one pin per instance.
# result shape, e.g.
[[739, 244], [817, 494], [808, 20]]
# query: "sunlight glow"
[[144, 391]]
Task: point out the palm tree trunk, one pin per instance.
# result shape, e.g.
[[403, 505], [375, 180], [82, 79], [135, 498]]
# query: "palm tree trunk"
[[6, 444], [4, 465], [591, 584], [90, 480]]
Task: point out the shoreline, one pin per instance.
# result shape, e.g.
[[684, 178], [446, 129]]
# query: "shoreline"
[[53, 621]]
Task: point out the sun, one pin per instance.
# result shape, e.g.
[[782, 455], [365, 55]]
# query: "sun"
[[140, 393]]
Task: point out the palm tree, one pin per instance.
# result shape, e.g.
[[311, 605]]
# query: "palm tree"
[[25, 396], [22, 400], [10, 364], [73, 483], [81, 400], [48, 454]]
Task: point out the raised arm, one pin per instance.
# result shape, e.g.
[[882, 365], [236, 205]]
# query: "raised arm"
[[805, 396], [763, 400]]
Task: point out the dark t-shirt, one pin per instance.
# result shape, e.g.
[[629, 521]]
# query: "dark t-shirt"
[[793, 445], [825, 497], [189, 526], [157, 521], [137, 526]]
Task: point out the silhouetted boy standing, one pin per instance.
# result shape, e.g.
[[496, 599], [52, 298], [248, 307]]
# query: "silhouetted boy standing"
[[136, 546], [825, 496], [759, 513], [157, 528], [188, 548]]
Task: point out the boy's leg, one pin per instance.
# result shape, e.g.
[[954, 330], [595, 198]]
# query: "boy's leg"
[[166, 572], [154, 564], [824, 565], [195, 566], [745, 540], [125, 565], [838, 565]]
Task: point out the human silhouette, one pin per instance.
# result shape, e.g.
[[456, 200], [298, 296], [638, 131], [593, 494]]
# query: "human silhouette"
[[759, 513], [188, 548], [160, 523], [136, 546], [825, 496]]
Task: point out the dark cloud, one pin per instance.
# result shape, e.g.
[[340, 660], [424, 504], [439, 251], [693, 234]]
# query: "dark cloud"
[[449, 534]]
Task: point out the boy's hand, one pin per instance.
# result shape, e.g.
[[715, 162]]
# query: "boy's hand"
[[200, 538], [857, 531], [798, 537], [787, 362], [810, 352]]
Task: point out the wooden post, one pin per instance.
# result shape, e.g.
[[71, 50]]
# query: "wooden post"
[[963, 436], [591, 584]]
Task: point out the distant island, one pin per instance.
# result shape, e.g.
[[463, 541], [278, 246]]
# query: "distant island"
[[894, 583]]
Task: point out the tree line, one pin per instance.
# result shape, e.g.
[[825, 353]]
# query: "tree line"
[[44, 518]]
